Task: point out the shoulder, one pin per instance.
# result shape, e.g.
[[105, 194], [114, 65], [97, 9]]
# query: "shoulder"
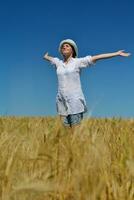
[[84, 61], [55, 61]]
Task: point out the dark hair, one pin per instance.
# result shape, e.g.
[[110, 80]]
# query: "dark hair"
[[74, 53]]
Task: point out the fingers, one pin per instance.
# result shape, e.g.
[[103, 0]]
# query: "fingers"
[[123, 53], [128, 54]]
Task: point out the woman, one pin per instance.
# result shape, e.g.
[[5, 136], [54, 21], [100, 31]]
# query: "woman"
[[70, 100]]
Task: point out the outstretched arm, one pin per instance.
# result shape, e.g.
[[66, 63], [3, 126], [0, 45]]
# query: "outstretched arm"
[[47, 57], [109, 55]]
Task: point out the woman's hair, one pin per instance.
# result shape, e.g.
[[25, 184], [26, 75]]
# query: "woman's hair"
[[74, 53]]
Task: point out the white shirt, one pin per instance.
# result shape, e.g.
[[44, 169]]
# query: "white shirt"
[[70, 98]]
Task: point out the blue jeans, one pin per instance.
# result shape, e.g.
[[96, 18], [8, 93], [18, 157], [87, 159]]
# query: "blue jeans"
[[73, 119]]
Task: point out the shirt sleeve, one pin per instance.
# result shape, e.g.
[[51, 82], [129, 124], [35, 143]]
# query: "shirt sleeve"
[[85, 62], [55, 61]]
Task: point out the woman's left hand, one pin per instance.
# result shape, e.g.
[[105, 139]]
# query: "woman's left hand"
[[122, 53]]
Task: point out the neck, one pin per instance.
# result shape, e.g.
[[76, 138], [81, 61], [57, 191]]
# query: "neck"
[[67, 58]]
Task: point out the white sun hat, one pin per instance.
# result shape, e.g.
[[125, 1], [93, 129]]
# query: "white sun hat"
[[72, 43]]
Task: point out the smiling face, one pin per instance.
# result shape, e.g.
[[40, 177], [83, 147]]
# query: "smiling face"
[[67, 50]]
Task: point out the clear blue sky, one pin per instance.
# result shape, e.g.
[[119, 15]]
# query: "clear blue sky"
[[28, 84]]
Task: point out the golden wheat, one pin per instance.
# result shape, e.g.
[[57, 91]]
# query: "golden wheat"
[[40, 160]]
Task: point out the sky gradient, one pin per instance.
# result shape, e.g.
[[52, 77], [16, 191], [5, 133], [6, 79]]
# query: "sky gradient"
[[28, 84]]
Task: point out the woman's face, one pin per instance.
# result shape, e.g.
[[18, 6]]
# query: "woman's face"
[[66, 49]]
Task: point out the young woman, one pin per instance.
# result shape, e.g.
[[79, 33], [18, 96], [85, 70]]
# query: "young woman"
[[70, 100]]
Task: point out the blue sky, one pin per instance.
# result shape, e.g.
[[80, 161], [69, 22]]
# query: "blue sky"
[[28, 29]]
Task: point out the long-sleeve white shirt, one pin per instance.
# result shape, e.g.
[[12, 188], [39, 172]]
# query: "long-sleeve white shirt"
[[70, 98]]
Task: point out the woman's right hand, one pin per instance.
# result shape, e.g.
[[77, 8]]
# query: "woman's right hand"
[[47, 57]]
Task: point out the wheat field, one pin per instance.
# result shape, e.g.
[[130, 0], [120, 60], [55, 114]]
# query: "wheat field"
[[40, 160]]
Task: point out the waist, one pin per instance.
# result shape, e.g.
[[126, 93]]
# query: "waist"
[[70, 93]]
